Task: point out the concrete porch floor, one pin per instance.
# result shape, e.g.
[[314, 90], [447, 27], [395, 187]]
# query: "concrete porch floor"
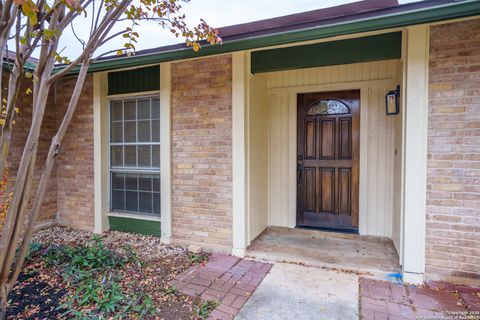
[[370, 256]]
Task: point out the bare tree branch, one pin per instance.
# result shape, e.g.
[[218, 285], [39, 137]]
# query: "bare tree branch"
[[119, 33], [148, 19], [98, 15], [92, 20], [105, 53], [101, 32], [82, 42], [9, 15]]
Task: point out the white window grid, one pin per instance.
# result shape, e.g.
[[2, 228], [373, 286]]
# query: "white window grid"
[[152, 170]]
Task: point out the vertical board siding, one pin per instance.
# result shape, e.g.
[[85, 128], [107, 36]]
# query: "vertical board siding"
[[379, 147], [257, 143], [278, 160], [335, 74]]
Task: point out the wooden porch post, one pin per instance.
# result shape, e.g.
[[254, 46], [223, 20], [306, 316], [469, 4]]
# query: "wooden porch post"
[[100, 151], [239, 155], [415, 154]]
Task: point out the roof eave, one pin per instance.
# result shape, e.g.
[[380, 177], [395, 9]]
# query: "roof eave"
[[414, 17]]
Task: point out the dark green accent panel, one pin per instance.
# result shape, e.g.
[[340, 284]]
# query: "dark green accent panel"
[[146, 227], [136, 80], [413, 17], [373, 48], [8, 66]]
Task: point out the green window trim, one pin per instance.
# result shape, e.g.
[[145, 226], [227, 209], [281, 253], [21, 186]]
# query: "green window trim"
[[134, 225], [134, 80]]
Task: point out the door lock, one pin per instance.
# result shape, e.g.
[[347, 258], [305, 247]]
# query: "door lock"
[[300, 169]]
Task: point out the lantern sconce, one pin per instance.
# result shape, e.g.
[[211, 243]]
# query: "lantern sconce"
[[392, 101]]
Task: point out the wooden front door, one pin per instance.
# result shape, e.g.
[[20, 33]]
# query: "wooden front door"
[[328, 149]]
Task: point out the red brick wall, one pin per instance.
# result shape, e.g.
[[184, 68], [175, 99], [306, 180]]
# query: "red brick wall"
[[75, 194], [453, 195], [19, 136], [202, 152]]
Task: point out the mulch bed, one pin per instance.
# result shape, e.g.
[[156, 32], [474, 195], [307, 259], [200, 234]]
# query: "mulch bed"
[[33, 298], [41, 289]]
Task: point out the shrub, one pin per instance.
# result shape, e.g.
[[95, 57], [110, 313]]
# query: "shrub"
[[203, 309], [197, 258], [94, 271]]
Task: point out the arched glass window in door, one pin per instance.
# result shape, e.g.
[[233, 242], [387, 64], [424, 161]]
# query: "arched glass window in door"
[[327, 107]]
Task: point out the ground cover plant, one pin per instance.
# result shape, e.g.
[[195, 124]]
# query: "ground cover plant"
[[72, 274]]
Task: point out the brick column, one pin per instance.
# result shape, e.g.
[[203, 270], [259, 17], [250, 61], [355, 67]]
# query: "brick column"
[[202, 152]]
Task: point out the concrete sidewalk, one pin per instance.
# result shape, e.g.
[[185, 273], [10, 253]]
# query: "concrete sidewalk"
[[296, 292]]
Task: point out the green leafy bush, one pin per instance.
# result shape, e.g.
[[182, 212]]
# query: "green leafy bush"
[[204, 308], [93, 269], [198, 258], [34, 248], [171, 290]]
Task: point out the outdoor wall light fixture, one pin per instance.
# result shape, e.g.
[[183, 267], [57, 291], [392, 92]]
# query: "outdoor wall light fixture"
[[392, 101]]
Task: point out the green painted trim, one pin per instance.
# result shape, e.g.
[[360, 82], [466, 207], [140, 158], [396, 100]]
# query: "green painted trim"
[[135, 80], [451, 11], [8, 66], [373, 48], [145, 227]]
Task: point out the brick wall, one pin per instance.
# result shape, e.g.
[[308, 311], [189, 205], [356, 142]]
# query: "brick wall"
[[19, 136], [453, 198], [75, 194], [202, 152]]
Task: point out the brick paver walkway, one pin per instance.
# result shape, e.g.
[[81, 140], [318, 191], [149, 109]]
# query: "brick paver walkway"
[[228, 280], [392, 301]]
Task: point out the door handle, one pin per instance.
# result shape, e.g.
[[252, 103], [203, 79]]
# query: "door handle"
[[300, 172]]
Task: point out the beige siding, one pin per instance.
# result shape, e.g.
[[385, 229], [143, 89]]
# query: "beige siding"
[[377, 154], [334, 74], [397, 223], [280, 151], [257, 141]]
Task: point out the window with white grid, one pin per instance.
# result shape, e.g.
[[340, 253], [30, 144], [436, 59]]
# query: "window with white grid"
[[135, 155]]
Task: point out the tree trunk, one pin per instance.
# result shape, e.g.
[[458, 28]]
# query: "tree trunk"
[[12, 94], [6, 25], [6, 132], [18, 228], [50, 162], [3, 306]]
